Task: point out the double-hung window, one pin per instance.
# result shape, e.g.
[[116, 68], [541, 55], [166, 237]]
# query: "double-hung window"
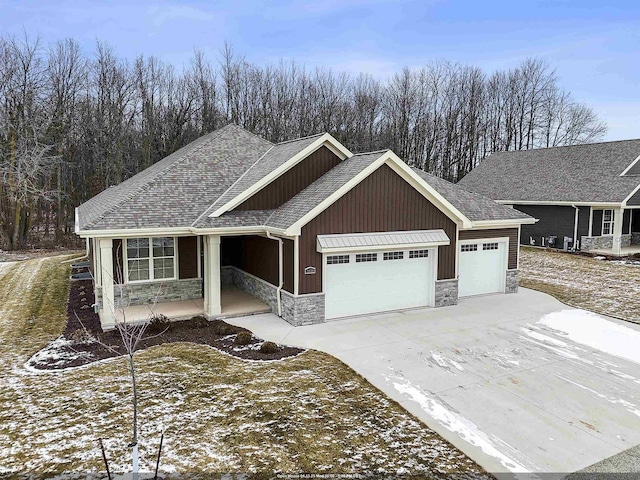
[[150, 259], [607, 222]]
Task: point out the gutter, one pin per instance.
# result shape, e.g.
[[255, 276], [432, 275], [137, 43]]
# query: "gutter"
[[280, 272], [86, 254]]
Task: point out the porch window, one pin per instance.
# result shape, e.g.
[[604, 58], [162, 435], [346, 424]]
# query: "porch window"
[[150, 259], [607, 222]]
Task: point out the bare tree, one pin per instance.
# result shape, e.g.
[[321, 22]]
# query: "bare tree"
[[105, 119]]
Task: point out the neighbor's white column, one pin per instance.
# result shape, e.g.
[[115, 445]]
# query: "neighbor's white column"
[[212, 304], [105, 247], [618, 217]]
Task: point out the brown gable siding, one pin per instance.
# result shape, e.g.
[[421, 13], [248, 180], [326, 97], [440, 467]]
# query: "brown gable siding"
[[187, 257], [512, 233], [381, 202], [635, 198], [292, 182], [259, 257]]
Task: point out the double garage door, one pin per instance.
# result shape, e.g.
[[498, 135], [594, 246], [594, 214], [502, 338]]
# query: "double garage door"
[[367, 282]]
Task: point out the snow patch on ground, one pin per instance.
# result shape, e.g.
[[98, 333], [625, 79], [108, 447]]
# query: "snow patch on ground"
[[467, 430], [56, 353], [594, 331]]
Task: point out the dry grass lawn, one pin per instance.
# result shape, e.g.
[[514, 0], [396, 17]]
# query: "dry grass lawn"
[[604, 287], [310, 413]]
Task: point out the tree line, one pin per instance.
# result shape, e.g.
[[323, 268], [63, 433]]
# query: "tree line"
[[72, 124]]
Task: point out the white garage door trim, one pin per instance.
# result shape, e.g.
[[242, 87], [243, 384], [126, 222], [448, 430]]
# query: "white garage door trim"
[[432, 265], [504, 243]]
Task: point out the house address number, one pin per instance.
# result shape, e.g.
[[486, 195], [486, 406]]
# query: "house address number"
[[310, 270]]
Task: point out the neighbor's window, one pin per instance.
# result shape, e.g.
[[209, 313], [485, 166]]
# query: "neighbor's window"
[[155, 263], [607, 222]]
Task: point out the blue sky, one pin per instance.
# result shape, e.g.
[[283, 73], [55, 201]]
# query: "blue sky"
[[594, 46]]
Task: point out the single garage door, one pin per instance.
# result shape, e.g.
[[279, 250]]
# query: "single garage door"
[[367, 282], [482, 267]]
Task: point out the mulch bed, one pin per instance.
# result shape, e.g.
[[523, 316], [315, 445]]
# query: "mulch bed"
[[84, 342]]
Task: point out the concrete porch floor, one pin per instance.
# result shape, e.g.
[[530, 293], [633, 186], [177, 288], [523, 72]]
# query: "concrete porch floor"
[[235, 302], [625, 251]]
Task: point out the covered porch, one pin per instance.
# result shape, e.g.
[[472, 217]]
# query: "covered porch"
[[201, 279], [234, 303], [613, 232]]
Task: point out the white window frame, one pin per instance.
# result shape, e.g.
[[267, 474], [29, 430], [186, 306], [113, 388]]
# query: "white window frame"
[[125, 260], [608, 222]]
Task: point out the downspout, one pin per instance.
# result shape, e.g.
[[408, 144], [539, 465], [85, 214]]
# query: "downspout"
[[86, 254], [575, 229], [280, 272]]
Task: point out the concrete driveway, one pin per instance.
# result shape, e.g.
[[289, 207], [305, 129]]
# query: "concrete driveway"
[[489, 375]]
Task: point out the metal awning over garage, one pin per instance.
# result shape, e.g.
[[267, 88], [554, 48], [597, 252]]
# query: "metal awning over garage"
[[351, 242]]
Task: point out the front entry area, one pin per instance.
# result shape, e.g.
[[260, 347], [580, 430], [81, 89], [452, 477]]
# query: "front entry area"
[[482, 267], [378, 281]]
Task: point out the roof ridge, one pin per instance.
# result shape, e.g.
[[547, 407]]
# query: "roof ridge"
[[565, 146], [301, 138], [233, 124], [382, 150], [231, 186], [140, 188]]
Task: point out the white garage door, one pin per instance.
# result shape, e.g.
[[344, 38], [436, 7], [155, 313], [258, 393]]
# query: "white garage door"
[[482, 267], [360, 283]]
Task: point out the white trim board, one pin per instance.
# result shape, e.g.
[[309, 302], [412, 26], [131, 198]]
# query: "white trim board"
[[557, 203], [624, 172]]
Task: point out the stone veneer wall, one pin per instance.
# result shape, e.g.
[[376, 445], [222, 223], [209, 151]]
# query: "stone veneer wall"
[[511, 283], [304, 309], [297, 310], [604, 242], [446, 293], [635, 238], [147, 293]]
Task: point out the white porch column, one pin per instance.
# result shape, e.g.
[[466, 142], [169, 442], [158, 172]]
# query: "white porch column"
[[212, 304], [105, 247], [618, 218]]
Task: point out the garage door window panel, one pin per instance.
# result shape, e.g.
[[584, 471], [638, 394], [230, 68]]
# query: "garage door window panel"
[[393, 255], [418, 253], [337, 259], [366, 257]]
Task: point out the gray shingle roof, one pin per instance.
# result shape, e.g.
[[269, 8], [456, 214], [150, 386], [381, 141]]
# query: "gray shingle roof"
[[185, 187], [579, 173], [274, 158], [473, 206], [321, 189], [175, 191], [235, 218]]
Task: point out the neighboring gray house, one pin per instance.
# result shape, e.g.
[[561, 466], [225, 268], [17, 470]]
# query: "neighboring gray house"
[[311, 230], [587, 195]]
